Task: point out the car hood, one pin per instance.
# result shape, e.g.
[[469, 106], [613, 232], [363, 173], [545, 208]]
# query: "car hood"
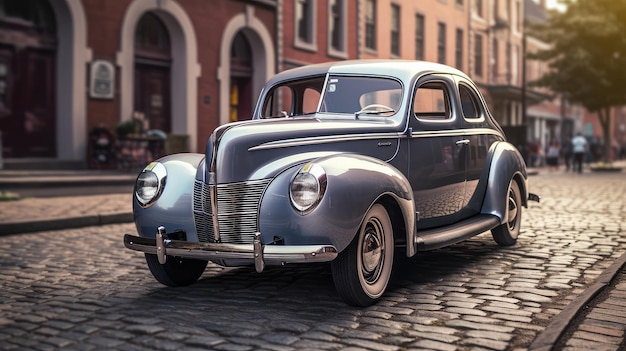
[[259, 149]]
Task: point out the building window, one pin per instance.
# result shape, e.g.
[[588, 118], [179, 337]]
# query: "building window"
[[496, 12], [370, 24], [441, 43], [419, 37], [509, 63], [151, 36], [515, 69], [518, 17], [479, 7], [337, 27], [496, 59], [305, 24], [459, 3], [395, 30], [478, 55], [458, 52]]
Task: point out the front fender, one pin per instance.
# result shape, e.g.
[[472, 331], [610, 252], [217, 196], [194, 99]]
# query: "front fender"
[[506, 164], [354, 183], [174, 207]]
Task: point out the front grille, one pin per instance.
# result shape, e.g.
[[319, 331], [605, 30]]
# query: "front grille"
[[237, 208]]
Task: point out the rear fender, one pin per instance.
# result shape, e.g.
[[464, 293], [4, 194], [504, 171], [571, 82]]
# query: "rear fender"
[[506, 164], [354, 184]]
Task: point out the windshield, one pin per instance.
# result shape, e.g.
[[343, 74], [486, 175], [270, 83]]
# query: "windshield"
[[361, 95], [352, 95]]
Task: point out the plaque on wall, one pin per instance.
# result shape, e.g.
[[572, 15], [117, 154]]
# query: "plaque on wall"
[[102, 80]]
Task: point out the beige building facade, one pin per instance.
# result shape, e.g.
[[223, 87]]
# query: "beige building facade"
[[483, 38]]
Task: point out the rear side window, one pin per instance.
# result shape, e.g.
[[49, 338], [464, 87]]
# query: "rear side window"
[[432, 101], [469, 103]]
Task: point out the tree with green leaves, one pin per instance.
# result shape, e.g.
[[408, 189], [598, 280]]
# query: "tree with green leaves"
[[587, 57]]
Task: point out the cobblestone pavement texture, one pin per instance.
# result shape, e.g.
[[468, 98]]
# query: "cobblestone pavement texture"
[[80, 289], [40, 209]]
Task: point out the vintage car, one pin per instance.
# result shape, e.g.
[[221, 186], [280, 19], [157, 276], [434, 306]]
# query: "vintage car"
[[352, 163]]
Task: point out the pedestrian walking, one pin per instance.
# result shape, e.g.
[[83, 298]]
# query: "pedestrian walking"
[[535, 153], [579, 146], [566, 148], [552, 156]]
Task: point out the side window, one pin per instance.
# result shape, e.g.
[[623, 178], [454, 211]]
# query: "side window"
[[310, 100], [469, 103], [293, 98], [278, 103], [432, 101]]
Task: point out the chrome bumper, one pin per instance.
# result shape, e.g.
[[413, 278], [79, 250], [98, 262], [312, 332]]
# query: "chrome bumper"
[[261, 254]]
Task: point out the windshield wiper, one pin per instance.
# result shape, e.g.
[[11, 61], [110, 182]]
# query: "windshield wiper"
[[373, 109]]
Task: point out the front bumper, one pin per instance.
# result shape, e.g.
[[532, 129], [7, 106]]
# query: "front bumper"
[[261, 254]]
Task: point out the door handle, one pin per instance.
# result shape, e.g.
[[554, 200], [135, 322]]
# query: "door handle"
[[463, 142]]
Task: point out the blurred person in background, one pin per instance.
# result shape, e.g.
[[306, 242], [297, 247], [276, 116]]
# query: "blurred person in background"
[[579, 147]]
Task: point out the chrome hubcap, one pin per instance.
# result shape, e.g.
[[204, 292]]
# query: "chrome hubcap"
[[372, 251], [512, 210]]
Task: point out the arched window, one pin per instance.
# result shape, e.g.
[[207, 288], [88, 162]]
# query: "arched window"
[[152, 38], [36, 14], [241, 54]]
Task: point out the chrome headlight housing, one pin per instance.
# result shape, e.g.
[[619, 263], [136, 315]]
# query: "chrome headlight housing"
[[307, 188], [150, 184]]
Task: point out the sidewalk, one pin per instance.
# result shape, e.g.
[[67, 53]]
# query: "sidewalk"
[[32, 214]]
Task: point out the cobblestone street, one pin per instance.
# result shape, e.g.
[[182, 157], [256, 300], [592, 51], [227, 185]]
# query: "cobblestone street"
[[80, 289]]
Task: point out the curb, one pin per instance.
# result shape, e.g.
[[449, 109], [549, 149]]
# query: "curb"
[[553, 332], [64, 223]]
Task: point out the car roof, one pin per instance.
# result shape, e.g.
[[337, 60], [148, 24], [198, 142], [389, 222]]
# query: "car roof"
[[403, 69]]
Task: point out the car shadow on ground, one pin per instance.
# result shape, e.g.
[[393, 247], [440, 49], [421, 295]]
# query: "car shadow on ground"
[[300, 293]]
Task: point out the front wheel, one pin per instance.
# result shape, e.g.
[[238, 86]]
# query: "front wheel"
[[361, 272], [506, 234], [176, 271]]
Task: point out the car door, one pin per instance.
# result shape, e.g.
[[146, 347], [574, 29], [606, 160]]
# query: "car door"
[[479, 136], [437, 153]]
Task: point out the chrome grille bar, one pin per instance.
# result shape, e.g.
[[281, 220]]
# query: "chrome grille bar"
[[237, 209]]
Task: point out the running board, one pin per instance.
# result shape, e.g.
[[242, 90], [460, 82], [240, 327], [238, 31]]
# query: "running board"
[[431, 239]]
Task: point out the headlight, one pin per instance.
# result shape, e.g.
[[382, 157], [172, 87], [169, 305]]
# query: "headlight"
[[308, 187], [150, 183]]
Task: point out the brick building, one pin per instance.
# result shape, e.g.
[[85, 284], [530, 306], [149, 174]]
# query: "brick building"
[[68, 67]]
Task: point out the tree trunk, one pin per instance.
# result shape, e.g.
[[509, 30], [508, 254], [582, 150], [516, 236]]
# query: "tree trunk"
[[605, 122]]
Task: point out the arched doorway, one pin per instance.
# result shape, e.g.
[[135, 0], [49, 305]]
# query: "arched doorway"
[[152, 72], [262, 58], [28, 45], [241, 72]]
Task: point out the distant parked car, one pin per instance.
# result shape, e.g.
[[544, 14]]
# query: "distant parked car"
[[350, 162]]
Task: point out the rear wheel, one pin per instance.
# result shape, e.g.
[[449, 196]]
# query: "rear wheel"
[[506, 234], [361, 272], [176, 271]]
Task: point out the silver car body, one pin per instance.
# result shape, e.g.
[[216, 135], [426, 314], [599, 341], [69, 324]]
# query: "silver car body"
[[442, 177]]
